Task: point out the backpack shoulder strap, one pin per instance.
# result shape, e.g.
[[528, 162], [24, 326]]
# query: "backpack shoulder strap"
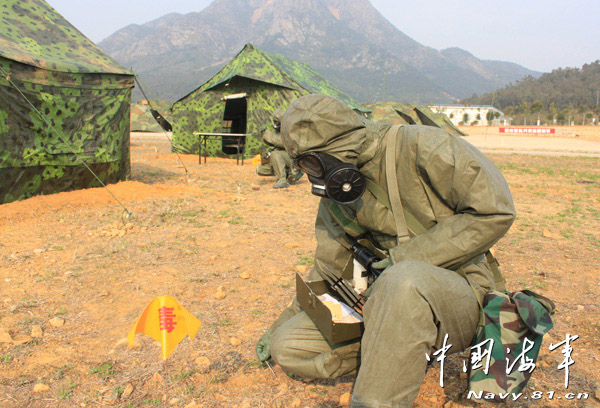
[[392, 184], [495, 267], [404, 220]]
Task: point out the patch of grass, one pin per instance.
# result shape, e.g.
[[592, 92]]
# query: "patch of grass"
[[104, 370], [196, 280], [508, 166], [588, 175], [60, 372], [24, 304], [61, 311], [235, 220], [594, 239], [286, 285], [257, 312], [568, 233], [534, 168], [28, 321], [167, 216], [66, 392], [226, 321], [191, 213], [151, 402], [182, 375], [306, 260], [44, 278], [6, 358], [539, 284], [234, 217], [191, 391], [319, 390], [217, 378]]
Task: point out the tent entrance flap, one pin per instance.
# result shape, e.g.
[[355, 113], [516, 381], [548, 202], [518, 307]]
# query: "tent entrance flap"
[[234, 121]]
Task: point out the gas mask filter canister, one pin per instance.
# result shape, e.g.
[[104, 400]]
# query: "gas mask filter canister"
[[332, 178]]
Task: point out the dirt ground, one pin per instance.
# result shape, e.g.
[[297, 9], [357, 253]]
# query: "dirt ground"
[[75, 278]]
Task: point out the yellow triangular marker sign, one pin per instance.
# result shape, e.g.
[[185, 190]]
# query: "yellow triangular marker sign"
[[167, 322], [256, 160]]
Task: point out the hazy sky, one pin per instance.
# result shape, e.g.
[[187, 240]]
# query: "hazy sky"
[[538, 34]]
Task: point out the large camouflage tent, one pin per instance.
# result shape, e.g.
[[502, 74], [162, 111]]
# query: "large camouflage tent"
[[404, 114], [142, 119], [241, 97], [63, 103]]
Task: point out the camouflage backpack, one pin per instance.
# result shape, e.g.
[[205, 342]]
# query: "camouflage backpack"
[[507, 342]]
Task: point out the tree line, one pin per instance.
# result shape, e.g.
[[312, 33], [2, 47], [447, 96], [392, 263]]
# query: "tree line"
[[563, 96]]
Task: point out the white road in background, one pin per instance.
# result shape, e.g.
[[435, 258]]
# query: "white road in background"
[[546, 146]]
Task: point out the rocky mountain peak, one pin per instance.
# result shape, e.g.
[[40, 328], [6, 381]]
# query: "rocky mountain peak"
[[348, 41]]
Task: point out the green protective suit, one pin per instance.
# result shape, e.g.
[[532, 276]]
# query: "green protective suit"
[[276, 161], [453, 190]]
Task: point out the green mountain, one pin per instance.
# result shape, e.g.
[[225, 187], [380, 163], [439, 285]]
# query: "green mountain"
[[347, 41], [563, 88]]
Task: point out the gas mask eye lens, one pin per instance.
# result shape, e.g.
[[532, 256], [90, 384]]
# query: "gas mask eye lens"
[[310, 164]]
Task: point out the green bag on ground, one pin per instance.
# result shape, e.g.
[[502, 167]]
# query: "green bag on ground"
[[507, 342]]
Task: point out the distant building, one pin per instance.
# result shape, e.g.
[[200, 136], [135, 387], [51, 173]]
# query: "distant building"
[[465, 115]]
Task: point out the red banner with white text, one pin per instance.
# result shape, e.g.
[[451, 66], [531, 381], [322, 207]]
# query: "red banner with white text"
[[528, 131]]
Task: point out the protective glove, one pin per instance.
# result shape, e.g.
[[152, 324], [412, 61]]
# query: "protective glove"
[[263, 348], [383, 264]]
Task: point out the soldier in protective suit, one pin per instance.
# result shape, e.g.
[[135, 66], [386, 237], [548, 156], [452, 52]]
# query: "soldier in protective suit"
[[277, 161], [450, 188]]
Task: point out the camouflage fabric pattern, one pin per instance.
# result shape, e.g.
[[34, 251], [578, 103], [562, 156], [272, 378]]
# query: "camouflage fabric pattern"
[[143, 121], [395, 113], [88, 110], [535, 310], [21, 183], [510, 318], [204, 112], [270, 81], [33, 33]]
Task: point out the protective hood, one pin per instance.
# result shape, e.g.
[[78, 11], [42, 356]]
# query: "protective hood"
[[324, 124], [278, 115]]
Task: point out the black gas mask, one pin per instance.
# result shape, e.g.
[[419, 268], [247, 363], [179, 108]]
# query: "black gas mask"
[[332, 178]]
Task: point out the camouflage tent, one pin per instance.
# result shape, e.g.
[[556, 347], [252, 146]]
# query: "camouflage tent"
[[241, 97], [404, 114], [142, 119], [63, 103]]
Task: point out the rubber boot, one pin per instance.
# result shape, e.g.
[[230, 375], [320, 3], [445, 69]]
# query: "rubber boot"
[[281, 183]]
